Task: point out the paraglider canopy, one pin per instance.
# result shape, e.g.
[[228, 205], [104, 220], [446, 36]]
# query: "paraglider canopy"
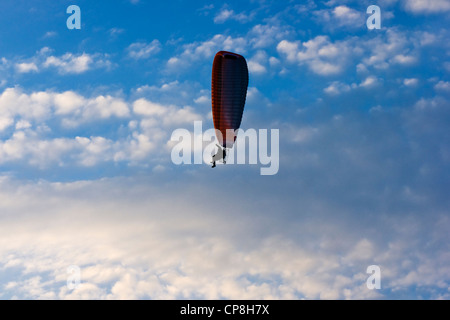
[[228, 94]]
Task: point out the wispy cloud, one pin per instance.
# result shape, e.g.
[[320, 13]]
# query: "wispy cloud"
[[206, 49], [114, 32], [226, 14], [50, 34], [142, 50]]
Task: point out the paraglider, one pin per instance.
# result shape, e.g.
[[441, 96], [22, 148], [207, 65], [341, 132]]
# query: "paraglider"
[[228, 93], [220, 155]]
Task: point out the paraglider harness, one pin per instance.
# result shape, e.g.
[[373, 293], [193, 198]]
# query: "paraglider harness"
[[219, 156]]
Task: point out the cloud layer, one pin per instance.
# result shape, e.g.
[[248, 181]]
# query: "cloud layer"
[[132, 240], [87, 179]]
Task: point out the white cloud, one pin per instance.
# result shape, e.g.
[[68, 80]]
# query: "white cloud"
[[426, 6], [265, 35], [228, 14], [4, 61], [410, 82], [106, 107], [5, 123], [345, 13], [40, 105], [148, 108], [26, 67], [369, 82], [43, 119], [173, 94], [23, 124], [27, 147], [173, 61], [325, 68], [319, 54], [442, 85], [403, 59], [256, 68], [290, 49], [30, 142], [142, 50], [260, 36], [206, 50], [36, 106], [337, 87], [302, 135], [113, 32], [256, 64], [50, 34], [203, 100], [68, 102], [427, 38], [274, 62], [394, 47], [185, 115], [205, 10], [168, 115], [223, 16], [94, 150], [69, 63], [339, 17], [363, 250], [32, 149]]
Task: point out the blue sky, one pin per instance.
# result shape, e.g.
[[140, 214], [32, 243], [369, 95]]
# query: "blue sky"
[[86, 176]]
